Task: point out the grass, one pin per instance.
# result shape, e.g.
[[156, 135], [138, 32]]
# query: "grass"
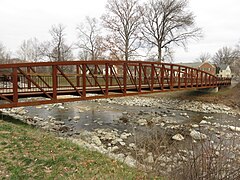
[[29, 153]]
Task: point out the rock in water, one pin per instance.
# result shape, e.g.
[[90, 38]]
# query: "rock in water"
[[178, 137], [197, 135]]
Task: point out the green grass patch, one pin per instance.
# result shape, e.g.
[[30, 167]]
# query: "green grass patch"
[[29, 153]]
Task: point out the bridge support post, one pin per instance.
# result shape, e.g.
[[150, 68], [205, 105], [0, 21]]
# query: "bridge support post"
[[28, 73], [171, 77], [106, 76], [210, 90], [54, 81], [140, 78], [78, 76], [124, 78], [84, 83], [215, 89], [15, 85]]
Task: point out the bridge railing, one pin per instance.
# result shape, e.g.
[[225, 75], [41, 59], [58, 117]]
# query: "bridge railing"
[[96, 79]]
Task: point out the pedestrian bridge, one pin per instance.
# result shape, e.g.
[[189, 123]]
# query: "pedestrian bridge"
[[27, 84]]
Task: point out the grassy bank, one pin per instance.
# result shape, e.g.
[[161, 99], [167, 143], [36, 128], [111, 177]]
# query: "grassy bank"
[[29, 153]]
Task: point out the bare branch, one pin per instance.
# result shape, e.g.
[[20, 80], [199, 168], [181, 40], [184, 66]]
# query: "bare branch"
[[122, 20], [167, 22]]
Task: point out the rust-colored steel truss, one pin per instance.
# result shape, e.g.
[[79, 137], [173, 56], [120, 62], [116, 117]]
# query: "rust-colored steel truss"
[[27, 84]]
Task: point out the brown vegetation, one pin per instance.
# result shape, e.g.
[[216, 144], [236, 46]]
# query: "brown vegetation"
[[228, 96]]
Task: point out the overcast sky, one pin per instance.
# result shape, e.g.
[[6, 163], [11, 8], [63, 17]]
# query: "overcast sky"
[[24, 19]]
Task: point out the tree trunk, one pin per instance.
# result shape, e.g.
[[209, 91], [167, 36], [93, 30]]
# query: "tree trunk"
[[126, 50], [159, 54]]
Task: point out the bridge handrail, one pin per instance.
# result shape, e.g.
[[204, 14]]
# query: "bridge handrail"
[[95, 62]]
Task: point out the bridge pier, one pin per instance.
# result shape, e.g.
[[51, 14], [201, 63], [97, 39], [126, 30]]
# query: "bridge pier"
[[210, 90]]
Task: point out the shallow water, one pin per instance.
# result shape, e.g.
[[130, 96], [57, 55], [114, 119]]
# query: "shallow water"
[[102, 115]]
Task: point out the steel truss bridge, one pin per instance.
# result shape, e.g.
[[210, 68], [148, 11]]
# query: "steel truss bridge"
[[28, 84]]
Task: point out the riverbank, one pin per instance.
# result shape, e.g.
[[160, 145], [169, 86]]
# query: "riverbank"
[[30, 153], [159, 133], [228, 96]]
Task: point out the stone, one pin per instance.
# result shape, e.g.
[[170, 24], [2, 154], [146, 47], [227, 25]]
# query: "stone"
[[142, 122], [96, 140], [76, 117], [183, 114], [178, 137], [203, 122], [164, 115], [163, 159], [59, 122], [115, 141], [149, 159], [207, 117], [108, 136], [129, 160], [77, 133], [132, 145], [124, 113], [195, 125], [197, 135], [120, 156], [60, 107], [100, 123], [227, 109], [173, 114], [234, 128], [125, 135], [122, 143], [114, 148]]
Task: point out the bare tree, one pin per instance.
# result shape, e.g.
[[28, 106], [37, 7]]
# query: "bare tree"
[[204, 57], [30, 50], [113, 45], [167, 22], [2, 51], [236, 63], [5, 56], [225, 55], [122, 20], [57, 49], [90, 39], [228, 56]]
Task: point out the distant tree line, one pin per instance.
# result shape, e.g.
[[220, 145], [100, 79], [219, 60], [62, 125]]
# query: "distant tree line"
[[127, 30], [224, 56]]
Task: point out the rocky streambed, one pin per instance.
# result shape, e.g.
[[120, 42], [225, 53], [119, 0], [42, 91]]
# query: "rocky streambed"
[[142, 131]]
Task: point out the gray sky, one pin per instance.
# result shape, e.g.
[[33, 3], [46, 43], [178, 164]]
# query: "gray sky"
[[24, 19]]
